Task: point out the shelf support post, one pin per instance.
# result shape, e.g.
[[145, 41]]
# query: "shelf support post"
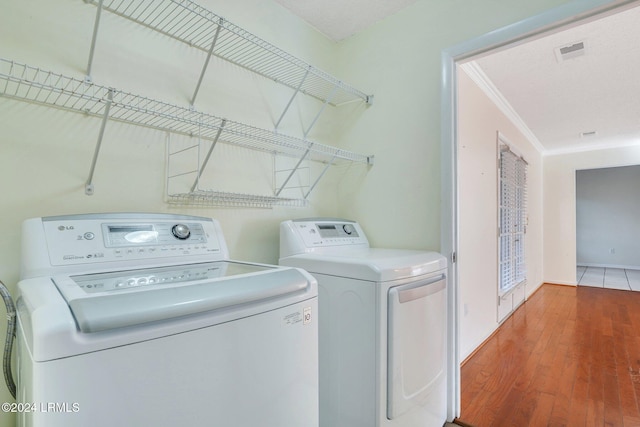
[[293, 96], [326, 168], [206, 62], [208, 156], [88, 189], [324, 105], [96, 25], [293, 171]]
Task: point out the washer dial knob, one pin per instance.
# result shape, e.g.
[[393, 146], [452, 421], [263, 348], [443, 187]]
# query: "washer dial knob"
[[348, 228], [181, 231]]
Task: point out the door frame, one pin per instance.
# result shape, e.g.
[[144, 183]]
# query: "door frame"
[[573, 13]]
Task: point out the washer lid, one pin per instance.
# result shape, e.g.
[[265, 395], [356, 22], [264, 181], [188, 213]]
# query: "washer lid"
[[105, 301], [374, 264]]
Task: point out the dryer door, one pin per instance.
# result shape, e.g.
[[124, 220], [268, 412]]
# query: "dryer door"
[[416, 345]]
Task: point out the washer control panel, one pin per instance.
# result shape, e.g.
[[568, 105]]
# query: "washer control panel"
[[154, 233], [84, 239]]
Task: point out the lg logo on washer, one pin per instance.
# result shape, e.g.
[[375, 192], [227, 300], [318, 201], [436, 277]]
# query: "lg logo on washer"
[[65, 227]]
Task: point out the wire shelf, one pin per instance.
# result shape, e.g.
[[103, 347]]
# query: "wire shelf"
[[196, 26], [31, 84], [219, 198], [27, 83]]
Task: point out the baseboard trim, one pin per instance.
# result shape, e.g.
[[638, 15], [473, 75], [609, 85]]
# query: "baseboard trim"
[[461, 423], [573, 285], [560, 283], [597, 265]]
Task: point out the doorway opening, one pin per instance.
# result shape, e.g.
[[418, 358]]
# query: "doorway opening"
[[607, 229], [571, 14]]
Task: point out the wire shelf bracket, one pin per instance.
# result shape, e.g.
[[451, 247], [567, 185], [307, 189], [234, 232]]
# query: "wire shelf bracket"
[[88, 188], [208, 156], [297, 90], [324, 105], [206, 62], [312, 186], [96, 26], [293, 171]]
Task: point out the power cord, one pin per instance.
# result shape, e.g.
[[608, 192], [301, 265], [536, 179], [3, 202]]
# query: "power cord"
[[11, 334]]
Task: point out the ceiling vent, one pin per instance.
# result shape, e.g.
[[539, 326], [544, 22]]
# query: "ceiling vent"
[[571, 51], [588, 134]]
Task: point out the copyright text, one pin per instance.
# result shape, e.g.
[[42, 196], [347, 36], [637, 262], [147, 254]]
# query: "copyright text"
[[25, 407]]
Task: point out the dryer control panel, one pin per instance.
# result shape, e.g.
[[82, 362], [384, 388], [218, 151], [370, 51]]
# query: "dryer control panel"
[[307, 235]]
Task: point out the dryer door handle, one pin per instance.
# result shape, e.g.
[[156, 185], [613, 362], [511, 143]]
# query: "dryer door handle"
[[417, 290]]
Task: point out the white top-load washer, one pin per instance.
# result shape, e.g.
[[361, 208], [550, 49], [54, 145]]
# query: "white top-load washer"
[[382, 316], [137, 320]]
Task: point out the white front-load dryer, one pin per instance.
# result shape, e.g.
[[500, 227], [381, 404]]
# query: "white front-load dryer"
[[382, 330]]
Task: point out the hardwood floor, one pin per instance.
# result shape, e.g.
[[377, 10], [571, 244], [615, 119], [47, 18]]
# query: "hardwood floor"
[[569, 356]]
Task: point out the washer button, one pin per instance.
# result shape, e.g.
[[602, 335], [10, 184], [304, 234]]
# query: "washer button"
[[89, 235]]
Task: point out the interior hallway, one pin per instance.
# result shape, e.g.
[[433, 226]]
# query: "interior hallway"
[[569, 356]]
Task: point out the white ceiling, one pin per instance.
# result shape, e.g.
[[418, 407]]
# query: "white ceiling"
[[599, 91], [339, 19], [555, 102]]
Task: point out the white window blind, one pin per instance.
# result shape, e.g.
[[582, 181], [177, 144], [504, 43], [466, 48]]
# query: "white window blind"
[[512, 213]]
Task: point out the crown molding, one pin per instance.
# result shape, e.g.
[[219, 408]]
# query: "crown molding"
[[475, 73]]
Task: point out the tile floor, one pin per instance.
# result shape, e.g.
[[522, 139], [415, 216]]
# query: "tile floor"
[[611, 278]]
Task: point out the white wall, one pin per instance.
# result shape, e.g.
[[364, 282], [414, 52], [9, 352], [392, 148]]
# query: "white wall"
[[560, 205], [479, 120], [607, 212], [399, 60]]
